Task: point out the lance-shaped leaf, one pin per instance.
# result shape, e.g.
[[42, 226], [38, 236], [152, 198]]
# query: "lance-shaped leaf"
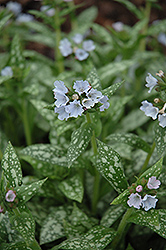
[[96, 238], [130, 139], [160, 140], [4, 20], [16, 55], [111, 89], [18, 245], [52, 228], [111, 215], [11, 167], [46, 153], [4, 78], [26, 192], [122, 198], [133, 8], [94, 79], [73, 188], [79, 141], [24, 223], [109, 165], [155, 170]]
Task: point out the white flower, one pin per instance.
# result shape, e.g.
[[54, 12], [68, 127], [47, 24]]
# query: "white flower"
[[149, 202], [135, 200], [162, 120], [24, 18], [14, 7], [60, 87], [48, 10], [65, 47], [106, 104], [77, 38], [81, 86], [62, 99], [88, 45], [87, 103], [81, 54], [7, 71], [95, 95], [74, 109], [118, 26], [62, 112], [153, 183], [151, 82], [149, 109]]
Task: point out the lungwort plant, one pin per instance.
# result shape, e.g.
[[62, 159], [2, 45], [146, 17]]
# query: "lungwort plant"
[[82, 161]]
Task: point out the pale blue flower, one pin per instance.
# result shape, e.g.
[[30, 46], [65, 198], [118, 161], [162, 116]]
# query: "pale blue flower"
[[7, 71], [60, 87], [153, 183], [81, 86], [65, 47], [62, 112], [14, 7], [24, 18], [106, 104], [94, 95], [135, 200], [149, 202], [118, 26], [61, 99], [151, 82], [77, 38], [48, 10], [162, 120], [10, 196], [162, 38], [87, 103], [88, 45], [81, 54], [74, 109], [149, 109]]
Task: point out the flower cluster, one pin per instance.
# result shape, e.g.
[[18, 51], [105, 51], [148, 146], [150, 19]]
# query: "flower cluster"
[[141, 195], [73, 103], [156, 110], [79, 47]]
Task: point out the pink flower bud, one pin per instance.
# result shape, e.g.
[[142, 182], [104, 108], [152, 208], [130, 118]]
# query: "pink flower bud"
[[10, 196], [139, 188]]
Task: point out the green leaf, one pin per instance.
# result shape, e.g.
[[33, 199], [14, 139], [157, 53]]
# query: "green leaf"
[[133, 8], [111, 89], [79, 141], [52, 228], [4, 78], [11, 167], [103, 34], [160, 140], [26, 192], [155, 170], [111, 215], [96, 122], [96, 238], [109, 165], [154, 219], [122, 198], [46, 153], [94, 79], [87, 16], [16, 56], [157, 28], [73, 188], [130, 139], [4, 20], [17, 245], [25, 225]]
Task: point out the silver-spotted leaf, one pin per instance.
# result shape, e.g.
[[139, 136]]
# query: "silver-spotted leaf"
[[79, 141], [160, 140], [11, 167], [109, 165], [155, 170], [72, 188], [111, 215], [111, 89], [94, 79]]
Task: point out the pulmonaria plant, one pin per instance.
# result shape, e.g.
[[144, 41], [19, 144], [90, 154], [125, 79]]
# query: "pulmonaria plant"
[[78, 46], [157, 109], [74, 102], [141, 195]]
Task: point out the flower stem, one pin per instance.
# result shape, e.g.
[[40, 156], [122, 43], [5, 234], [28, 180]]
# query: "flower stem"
[[147, 159], [121, 229], [58, 57], [96, 184]]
